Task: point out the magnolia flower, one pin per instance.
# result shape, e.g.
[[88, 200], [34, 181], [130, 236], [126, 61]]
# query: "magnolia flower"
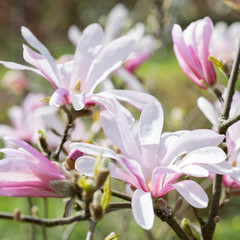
[[153, 162], [25, 172], [224, 41], [191, 48], [145, 44], [28, 119], [75, 81]]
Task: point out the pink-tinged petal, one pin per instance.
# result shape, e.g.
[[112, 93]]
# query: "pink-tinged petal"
[[132, 64], [192, 193], [195, 171], [85, 165], [16, 114], [20, 143], [187, 70], [142, 208], [35, 43], [74, 34], [42, 64], [150, 129], [130, 79], [190, 141], [65, 73], [208, 110], [88, 47], [16, 66], [124, 131], [137, 99], [115, 22], [203, 35], [110, 127], [118, 173], [78, 100], [58, 97], [94, 150], [183, 54], [207, 155], [158, 179], [107, 61]]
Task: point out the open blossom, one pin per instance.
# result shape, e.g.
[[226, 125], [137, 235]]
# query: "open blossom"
[[25, 172], [191, 48], [28, 119], [153, 162], [224, 41], [144, 47], [75, 81]]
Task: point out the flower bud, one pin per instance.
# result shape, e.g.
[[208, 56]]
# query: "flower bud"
[[101, 178], [177, 206], [112, 236], [71, 158], [161, 203], [96, 211], [17, 215]]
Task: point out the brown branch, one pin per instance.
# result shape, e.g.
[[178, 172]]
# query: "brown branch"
[[91, 230], [209, 228], [80, 216], [166, 216], [121, 195]]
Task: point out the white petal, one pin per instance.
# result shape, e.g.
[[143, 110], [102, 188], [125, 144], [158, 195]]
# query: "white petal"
[[195, 170], [74, 34], [192, 193], [57, 97], [107, 61], [78, 100], [142, 208], [208, 110], [88, 47], [85, 165]]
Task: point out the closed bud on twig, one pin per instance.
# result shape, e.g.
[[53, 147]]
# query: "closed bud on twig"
[[17, 215], [42, 143], [97, 197], [177, 206], [66, 188], [161, 203], [216, 219], [96, 211], [101, 178], [112, 236], [35, 211], [88, 186]]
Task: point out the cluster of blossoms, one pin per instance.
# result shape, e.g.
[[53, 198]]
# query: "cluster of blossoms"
[[151, 161]]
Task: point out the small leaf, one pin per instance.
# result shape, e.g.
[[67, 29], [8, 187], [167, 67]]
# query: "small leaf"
[[106, 193]]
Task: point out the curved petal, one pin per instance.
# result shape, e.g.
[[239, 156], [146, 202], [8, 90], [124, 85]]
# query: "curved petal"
[[85, 165], [42, 64], [58, 97], [142, 208], [35, 43], [88, 47], [78, 100], [137, 99], [115, 22], [107, 61], [74, 34], [192, 193], [208, 110]]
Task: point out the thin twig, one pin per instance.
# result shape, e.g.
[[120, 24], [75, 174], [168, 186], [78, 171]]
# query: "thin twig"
[[91, 230], [80, 216], [68, 126], [166, 216], [121, 195], [116, 206]]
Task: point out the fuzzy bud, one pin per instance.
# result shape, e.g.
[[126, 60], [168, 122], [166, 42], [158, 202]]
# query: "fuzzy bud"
[[96, 211], [71, 158], [177, 206], [101, 178], [17, 215], [216, 219], [161, 203]]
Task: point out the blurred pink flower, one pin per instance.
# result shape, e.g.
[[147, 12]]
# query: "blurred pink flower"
[[25, 172], [15, 81], [224, 41], [28, 119], [153, 162], [191, 48]]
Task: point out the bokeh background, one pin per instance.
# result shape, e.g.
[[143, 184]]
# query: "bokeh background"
[[161, 75]]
